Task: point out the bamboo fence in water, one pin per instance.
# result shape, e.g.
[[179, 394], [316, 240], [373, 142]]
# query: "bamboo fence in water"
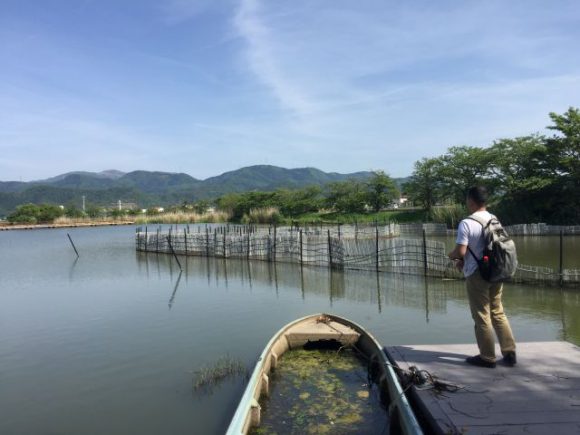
[[364, 247]]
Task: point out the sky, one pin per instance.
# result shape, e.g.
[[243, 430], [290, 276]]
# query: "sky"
[[204, 87]]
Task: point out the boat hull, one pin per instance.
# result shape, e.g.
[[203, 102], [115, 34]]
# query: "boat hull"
[[314, 329]]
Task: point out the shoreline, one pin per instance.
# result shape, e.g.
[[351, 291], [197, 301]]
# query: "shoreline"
[[57, 226]]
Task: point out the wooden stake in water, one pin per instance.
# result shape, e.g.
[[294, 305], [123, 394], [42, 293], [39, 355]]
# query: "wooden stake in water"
[[561, 258], [73, 245], [173, 252], [274, 245], [376, 246], [329, 251], [301, 255], [424, 253]]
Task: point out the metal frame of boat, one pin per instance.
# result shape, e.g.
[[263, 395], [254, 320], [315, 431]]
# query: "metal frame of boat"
[[314, 328]]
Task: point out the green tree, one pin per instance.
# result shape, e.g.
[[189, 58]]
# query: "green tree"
[[381, 190], [425, 186], [201, 206], [72, 212], [463, 167], [517, 164], [564, 149], [33, 213], [347, 196], [298, 201], [239, 204], [94, 211]]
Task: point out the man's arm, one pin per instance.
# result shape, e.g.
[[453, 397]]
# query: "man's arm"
[[460, 250], [457, 255]]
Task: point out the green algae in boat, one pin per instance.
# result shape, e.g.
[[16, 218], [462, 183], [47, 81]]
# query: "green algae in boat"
[[322, 391], [317, 417]]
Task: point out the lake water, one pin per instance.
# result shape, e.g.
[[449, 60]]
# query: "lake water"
[[109, 342]]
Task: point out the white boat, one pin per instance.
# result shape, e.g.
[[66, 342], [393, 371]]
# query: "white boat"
[[321, 328]]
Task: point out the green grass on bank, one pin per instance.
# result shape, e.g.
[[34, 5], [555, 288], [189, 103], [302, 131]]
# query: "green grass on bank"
[[399, 216]]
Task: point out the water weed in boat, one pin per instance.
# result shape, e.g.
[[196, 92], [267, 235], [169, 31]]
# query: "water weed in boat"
[[322, 391]]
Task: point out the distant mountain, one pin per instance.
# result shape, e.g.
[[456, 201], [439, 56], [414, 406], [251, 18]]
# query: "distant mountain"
[[13, 186], [111, 174], [157, 182], [266, 177], [147, 188]]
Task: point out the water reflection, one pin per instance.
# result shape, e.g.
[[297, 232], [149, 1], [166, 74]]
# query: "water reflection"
[[431, 296], [94, 338], [378, 289], [72, 269], [172, 298]]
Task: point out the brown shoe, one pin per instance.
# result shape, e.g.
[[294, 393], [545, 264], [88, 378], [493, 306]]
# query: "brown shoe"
[[480, 362]]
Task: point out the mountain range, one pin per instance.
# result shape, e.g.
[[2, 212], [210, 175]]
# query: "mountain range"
[[147, 188]]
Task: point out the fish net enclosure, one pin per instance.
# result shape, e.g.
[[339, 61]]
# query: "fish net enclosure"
[[339, 247], [382, 248]]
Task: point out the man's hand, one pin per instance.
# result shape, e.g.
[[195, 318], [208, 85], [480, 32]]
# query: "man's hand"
[[457, 256]]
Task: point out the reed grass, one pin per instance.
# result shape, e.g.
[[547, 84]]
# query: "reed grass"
[[211, 375], [64, 220], [185, 218], [449, 215], [264, 215]]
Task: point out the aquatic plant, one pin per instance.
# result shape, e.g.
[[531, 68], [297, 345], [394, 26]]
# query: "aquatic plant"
[[207, 377], [263, 215], [449, 215], [184, 218], [322, 391]]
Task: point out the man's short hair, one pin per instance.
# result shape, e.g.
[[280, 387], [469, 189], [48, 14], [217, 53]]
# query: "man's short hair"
[[478, 194]]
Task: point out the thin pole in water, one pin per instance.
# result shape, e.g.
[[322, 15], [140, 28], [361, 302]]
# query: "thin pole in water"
[[206, 242], [329, 252], [73, 245], [275, 242], [376, 246], [301, 255], [173, 252], [561, 258], [224, 242], [424, 253]]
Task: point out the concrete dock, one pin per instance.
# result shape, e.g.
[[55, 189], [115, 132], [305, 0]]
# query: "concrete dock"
[[540, 395]]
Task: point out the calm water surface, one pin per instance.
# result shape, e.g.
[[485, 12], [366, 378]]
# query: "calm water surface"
[[108, 343], [540, 250]]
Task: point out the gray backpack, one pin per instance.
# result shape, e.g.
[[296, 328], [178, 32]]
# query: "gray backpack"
[[499, 261]]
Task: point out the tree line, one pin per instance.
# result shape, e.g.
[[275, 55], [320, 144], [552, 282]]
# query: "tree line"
[[349, 196], [534, 178], [344, 197]]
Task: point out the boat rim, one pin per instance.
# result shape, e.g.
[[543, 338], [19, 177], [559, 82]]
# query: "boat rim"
[[408, 420]]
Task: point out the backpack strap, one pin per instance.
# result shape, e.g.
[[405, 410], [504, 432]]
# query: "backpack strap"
[[484, 224]]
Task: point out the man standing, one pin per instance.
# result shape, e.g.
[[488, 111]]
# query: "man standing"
[[484, 297]]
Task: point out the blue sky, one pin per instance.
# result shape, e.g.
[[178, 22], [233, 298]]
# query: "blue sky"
[[203, 87]]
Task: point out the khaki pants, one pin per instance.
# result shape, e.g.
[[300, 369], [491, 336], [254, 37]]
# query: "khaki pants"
[[488, 315]]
